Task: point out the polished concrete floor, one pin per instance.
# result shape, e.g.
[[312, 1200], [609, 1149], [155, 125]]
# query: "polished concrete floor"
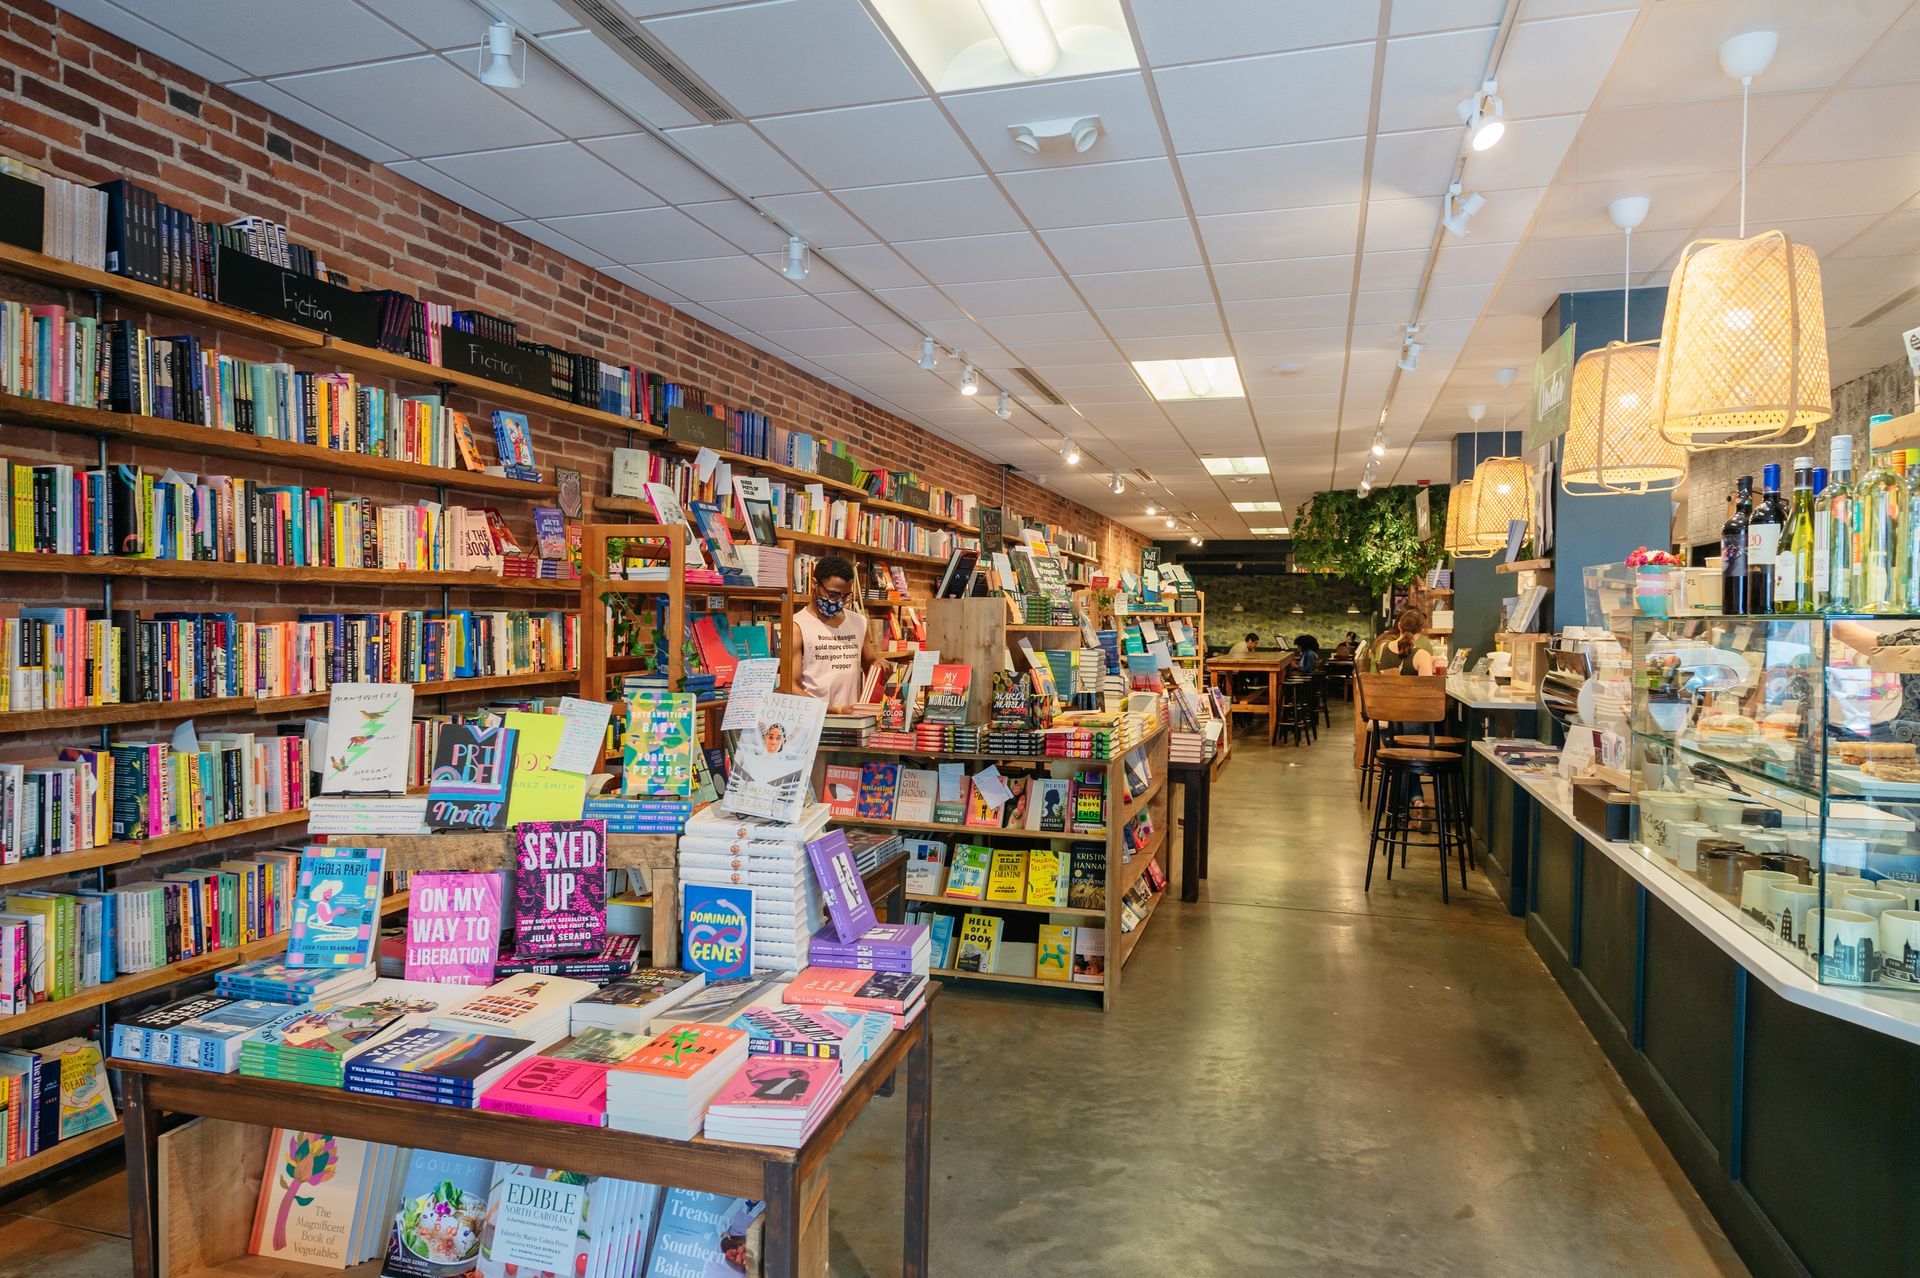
[[1299, 1079]]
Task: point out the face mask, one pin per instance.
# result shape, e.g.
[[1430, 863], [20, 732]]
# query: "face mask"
[[829, 608]]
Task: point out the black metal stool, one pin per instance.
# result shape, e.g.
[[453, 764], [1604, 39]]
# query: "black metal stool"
[[1404, 770]]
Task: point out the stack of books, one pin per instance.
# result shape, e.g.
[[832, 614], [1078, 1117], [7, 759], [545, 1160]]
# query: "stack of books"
[[1003, 742], [874, 848], [775, 1100], [718, 1002], [723, 850], [947, 738], [560, 1089], [663, 1089], [611, 962], [439, 1067], [311, 1044], [530, 1005], [211, 1041], [901, 995], [846, 730], [368, 814], [782, 1030], [272, 981], [639, 816], [888, 947], [631, 1003]]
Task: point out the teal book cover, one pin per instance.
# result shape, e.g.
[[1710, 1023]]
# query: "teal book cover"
[[336, 907]]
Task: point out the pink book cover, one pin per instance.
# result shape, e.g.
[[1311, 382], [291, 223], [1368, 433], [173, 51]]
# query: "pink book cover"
[[453, 927], [560, 887], [562, 1091], [778, 1085]]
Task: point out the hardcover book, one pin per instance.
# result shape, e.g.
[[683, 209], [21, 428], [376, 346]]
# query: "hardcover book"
[[878, 782], [539, 791], [1087, 879], [560, 887], [472, 769], [434, 1063], [369, 731], [667, 510], [309, 1199], [336, 907], [1053, 953], [86, 1102], [598, 1045], [1090, 955], [1089, 808], [549, 532], [848, 907], [658, 748], [979, 936], [1046, 878], [840, 788], [717, 929], [926, 866], [514, 1004], [947, 694], [981, 815], [754, 493], [1007, 875], [894, 992], [443, 1204], [967, 879], [453, 926], [950, 796], [515, 441], [913, 798], [770, 772]]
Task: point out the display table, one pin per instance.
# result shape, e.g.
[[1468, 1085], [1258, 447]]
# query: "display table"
[[1754, 1073], [1196, 788], [786, 1179], [1493, 709], [1222, 670]]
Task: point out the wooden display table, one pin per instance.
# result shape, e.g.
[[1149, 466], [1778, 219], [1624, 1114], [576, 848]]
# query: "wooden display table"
[[210, 1240], [1222, 670]]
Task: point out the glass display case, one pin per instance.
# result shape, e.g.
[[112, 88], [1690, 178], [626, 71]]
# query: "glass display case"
[[1774, 770]]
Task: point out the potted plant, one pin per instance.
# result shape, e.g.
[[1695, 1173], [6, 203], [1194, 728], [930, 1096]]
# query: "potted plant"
[[1653, 580]]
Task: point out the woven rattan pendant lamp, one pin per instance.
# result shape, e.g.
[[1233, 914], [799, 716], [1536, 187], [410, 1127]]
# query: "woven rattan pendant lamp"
[[1458, 540], [1743, 352], [1614, 443], [1502, 493]]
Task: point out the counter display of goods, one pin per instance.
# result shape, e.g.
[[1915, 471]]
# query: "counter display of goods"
[[1774, 769]]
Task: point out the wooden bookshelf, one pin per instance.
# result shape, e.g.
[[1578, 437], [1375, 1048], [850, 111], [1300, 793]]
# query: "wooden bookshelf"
[[1007, 978], [1018, 906], [1128, 940], [47, 867], [1138, 865], [976, 831], [161, 432], [56, 1155], [854, 547], [1001, 759], [25, 562]]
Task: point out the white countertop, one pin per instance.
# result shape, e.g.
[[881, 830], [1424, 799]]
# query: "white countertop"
[[1894, 1014], [1485, 694]]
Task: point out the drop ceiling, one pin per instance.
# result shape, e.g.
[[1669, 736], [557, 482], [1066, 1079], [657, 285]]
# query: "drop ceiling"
[[1268, 185]]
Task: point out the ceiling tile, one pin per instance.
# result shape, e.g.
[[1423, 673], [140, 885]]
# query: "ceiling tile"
[[539, 16], [1785, 192], [932, 210], [1401, 269], [320, 122], [1194, 30], [921, 302], [1853, 124], [421, 106], [789, 55], [1415, 164], [1067, 326], [872, 145], [1035, 296], [738, 155], [1320, 311], [1558, 66], [643, 236], [553, 239], [1675, 202], [875, 266], [1129, 129], [763, 313], [969, 259], [1391, 306], [1090, 194], [1162, 321], [156, 40], [547, 180], [1427, 76], [331, 32], [1173, 286], [1054, 355], [1284, 97], [1694, 137], [1417, 17], [1461, 262], [720, 279], [454, 190], [1324, 231], [819, 220], [1258, 179], [1146, 245], [652, 288], [1286, 277], [1674, 57], [594, 61], [555, 98], [1530, 154]]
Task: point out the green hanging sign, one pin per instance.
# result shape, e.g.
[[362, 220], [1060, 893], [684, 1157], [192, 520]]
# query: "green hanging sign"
[[1552, 387]]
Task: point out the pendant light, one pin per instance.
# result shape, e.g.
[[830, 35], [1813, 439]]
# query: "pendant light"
[[1457, 540], [1743, 356], [1614, 444], [1502, 493]]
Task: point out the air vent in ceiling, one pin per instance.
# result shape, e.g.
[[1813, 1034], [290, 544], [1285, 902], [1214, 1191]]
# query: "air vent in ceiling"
[[1039, 386], [1142, 476], [650, 60]]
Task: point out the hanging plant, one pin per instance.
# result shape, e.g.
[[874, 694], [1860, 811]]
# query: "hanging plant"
[[1373, 540]]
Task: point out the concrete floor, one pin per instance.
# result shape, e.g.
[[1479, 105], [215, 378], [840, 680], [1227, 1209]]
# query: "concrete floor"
[[1299, 1079]]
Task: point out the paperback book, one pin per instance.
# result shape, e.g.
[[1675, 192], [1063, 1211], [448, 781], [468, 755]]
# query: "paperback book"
[[472, 770], [848, 908], [336, 907], [658, 746], [717, 929], [369, 731], [453, 927], [443, 1204], [560, 887]]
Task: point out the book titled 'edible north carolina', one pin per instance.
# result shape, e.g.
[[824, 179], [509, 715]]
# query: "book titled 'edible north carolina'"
[[560, 887], [718, 926]]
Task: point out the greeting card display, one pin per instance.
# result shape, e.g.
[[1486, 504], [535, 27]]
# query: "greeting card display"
[[472, 769], [453, 927], [336, 907], [560, 887], [369, 729]]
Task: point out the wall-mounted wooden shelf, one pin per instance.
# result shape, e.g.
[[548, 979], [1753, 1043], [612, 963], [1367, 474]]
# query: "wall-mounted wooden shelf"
[[56, 1155], [1525, 565], [23, 562]]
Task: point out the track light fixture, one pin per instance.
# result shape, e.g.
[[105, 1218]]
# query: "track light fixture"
[[1115, 484], [1152, 510], [1170, 522], [969, 381], [1483, 114], [496, 58], [1195, 539], [1461, 208], [1069, 451], [797, 259], [1379, 443], [1004, 410], [929, 356], [1410, 350]]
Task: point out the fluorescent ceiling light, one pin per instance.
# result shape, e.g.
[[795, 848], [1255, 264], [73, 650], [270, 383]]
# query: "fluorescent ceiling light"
[[1171, 379], [1280, 530], [1235, 465], [1247, 507], [1025, 33]]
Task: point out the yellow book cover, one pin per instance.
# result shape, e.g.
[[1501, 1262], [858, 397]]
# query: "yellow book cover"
[[1007, 875], [1053, 953], [1046, 878], [979, 934], [538, 792]]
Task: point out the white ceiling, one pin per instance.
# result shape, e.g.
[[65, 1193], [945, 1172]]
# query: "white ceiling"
[[1269, 186]]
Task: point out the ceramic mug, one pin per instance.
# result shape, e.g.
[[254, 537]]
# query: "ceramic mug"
[[1872, 901], [1754, 898], [1683, 843], [1716, 867], [1846, 943], [1722, 809], [1788, 904], [1794, 865], [1834, 884], [1907, 888], [1659, 809], [1900, 948], [1803, 843], [1765, 842]]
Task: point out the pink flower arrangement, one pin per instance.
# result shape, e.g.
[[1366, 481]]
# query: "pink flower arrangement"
[[1644, 558]]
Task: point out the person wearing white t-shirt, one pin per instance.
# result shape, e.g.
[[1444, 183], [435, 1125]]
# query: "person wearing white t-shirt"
[[834, 647]]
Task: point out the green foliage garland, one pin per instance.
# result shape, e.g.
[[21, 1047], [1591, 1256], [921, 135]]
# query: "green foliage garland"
[[1373, 540]]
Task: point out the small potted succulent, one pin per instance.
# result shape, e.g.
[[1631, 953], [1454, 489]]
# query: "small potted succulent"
[[1653, 580]]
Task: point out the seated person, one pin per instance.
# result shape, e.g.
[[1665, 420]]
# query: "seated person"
[[1347, 648], [1306, 653], [1247, 647], [1403, 649]]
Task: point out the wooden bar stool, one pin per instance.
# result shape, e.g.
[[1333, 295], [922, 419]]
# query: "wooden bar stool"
[[1406, 770]]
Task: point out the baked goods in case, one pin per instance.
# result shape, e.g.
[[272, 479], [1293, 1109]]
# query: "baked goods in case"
[[1859, 752], [1907, 769]]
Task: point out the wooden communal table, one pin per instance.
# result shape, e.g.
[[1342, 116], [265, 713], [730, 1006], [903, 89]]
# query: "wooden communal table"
[[1223, 669], [784, 1179]]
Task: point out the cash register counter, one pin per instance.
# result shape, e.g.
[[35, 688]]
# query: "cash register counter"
[[1793, 1107]]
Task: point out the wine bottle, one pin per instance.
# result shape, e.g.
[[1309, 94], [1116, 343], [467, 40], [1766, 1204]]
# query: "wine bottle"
[[1843, 532], [1734, 577], [1763, 540], [1882, 498], [1793, 566]]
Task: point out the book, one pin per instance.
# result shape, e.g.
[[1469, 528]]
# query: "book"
[[885, 947], [840, 789], [514, 440], [1007, 875], [914, 795], [658, 745], [940, 929], [1053, 952], [86, 1102], [1047, 875], [926, 870], [453, 926], [770, 772], [1090, 955], [716, 929], [967, 879], [445, 1067], [784, 1030], [630, 1004], [718, 1001], [980, 814], [947, 694], [774, 1100], [536, 1223], [754, 496], [368, 734], [979, 935], [1087, 877], [531, 1005], [336, 907], [308, 1208], [1089, 808], [598, 1045], [702, 1235], [878, 784], [950, 794], [539, 791], [562, 1091], [897, 993], [560, 887], [848, 907], [443, 1204], [211, 1040], [472, 769]]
